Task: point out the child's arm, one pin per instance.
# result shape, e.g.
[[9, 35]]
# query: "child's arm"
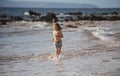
[[53, 39], [61, 35]]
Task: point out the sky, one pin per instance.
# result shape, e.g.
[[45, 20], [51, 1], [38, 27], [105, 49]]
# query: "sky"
[[99, 3]]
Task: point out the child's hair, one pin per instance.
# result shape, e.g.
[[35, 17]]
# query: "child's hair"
[[58, 26]]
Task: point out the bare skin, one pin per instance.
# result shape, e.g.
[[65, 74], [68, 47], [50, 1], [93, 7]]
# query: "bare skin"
[[57, 35]]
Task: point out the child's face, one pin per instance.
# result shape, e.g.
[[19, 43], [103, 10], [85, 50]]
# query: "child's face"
[[55, 27]]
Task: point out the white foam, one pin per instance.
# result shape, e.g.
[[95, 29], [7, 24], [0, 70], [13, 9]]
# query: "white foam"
[[90, 29], [26, 13], [40, 25], [102, 33]]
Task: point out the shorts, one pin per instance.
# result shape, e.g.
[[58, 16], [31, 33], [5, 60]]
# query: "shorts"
[[58, 44]]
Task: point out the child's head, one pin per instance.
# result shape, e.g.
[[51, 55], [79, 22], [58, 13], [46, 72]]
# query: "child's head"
[[56, 26], [54, 21]]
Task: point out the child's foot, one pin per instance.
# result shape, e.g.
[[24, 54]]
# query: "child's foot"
[[58, 57], [51, 57], [55, 57]]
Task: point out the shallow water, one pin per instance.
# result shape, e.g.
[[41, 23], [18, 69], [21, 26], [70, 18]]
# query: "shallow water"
[[25, 51]]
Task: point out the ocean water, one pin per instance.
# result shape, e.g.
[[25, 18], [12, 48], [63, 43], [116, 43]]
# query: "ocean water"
[[25, 49], [87, 11]]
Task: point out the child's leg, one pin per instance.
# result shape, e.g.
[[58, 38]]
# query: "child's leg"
[[56, 54], [58, 50]]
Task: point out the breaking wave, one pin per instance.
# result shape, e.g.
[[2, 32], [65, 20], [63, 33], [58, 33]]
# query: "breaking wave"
[[103, 33]]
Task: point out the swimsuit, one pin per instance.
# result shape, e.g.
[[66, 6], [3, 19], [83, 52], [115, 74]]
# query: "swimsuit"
[[58, 44]]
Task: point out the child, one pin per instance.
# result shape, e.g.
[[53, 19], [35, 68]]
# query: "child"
[[57, 35]]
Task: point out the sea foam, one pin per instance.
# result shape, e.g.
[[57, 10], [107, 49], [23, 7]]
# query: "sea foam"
[[103, 33]]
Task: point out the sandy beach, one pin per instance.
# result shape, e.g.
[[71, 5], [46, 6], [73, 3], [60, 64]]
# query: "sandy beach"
[[89, 49]]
